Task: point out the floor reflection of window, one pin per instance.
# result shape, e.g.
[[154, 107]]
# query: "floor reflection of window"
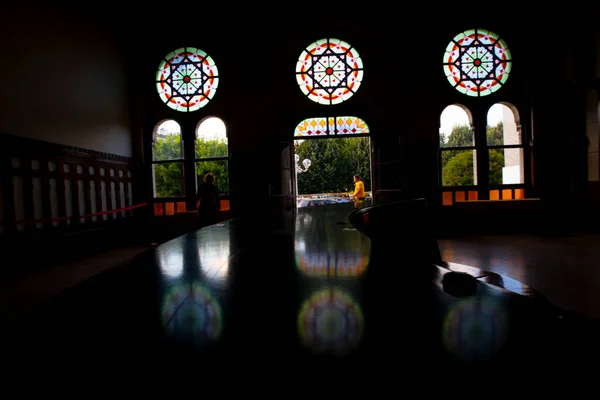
[[214, 253], [475, 328], [325, 248], [314, 261], [191, 314], [170, 261], [330, 321]]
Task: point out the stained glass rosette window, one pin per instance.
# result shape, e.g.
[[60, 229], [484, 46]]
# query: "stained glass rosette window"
[[477, 62], [187, 79], [324, 126], [329, 71]]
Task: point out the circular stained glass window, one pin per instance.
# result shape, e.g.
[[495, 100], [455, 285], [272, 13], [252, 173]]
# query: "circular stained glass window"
[[477, 62], [329, 71], [187, 79]]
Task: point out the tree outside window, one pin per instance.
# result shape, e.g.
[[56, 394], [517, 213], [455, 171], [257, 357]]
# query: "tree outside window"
[[167, 160]]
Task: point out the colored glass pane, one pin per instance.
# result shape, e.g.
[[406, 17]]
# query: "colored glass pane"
[[331, 126], [477, 62], [187, 79], [312, 127], [329, 71], [350, 126]]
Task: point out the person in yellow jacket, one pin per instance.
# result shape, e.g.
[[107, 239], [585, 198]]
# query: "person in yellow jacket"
[[359, 189]]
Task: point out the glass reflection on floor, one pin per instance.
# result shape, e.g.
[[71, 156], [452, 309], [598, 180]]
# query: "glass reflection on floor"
[[193, 284], [191, 314], [331, 256], [336, 249], [169, 259], [214, 252], [475, 328], [330, 321]]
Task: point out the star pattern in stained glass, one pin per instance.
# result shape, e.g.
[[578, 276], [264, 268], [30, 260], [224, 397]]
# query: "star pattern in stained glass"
[[329, 71], [477, 62], [187, 79]]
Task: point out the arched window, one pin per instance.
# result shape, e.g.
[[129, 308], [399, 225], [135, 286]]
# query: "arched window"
[[167, 159], [505, 146], [463, 150], [486, 150], [327, 166], [477, 62], [212, 152], [458, 157], [329, 71], [187, 79]]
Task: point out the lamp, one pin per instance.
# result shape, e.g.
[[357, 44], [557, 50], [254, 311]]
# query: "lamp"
[[299, 169]]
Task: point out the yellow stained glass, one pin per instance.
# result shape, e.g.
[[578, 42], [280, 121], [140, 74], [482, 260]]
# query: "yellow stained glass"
[[351, 126], [312, 127], [331, 126]]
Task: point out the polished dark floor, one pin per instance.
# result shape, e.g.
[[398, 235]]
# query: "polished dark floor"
[[312, 294]]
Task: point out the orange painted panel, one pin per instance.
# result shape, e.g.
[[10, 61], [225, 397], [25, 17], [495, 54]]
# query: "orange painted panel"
[[169, 208], [181, 206], [158, 209], [494, 195], [519, 194], [447, 198], [473, 195], [459, 196], [224, 205], [506, 194]]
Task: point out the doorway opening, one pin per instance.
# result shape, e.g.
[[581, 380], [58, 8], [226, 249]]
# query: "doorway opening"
[[325, 168]]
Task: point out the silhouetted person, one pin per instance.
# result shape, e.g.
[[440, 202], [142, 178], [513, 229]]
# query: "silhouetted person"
[[209, 202]]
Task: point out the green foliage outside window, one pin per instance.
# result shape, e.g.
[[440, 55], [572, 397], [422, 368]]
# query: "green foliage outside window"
[[207, 148], [219, 169], [168, 177], [457, 165], [167, 147], [334, 161]]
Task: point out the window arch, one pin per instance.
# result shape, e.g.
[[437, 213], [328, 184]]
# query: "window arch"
[[458, 156], [331, 126], [481, 161], [187, 79], [477, 62], [329, 71], [505, 145], [167, 159], [212, 152], [347, 148]]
